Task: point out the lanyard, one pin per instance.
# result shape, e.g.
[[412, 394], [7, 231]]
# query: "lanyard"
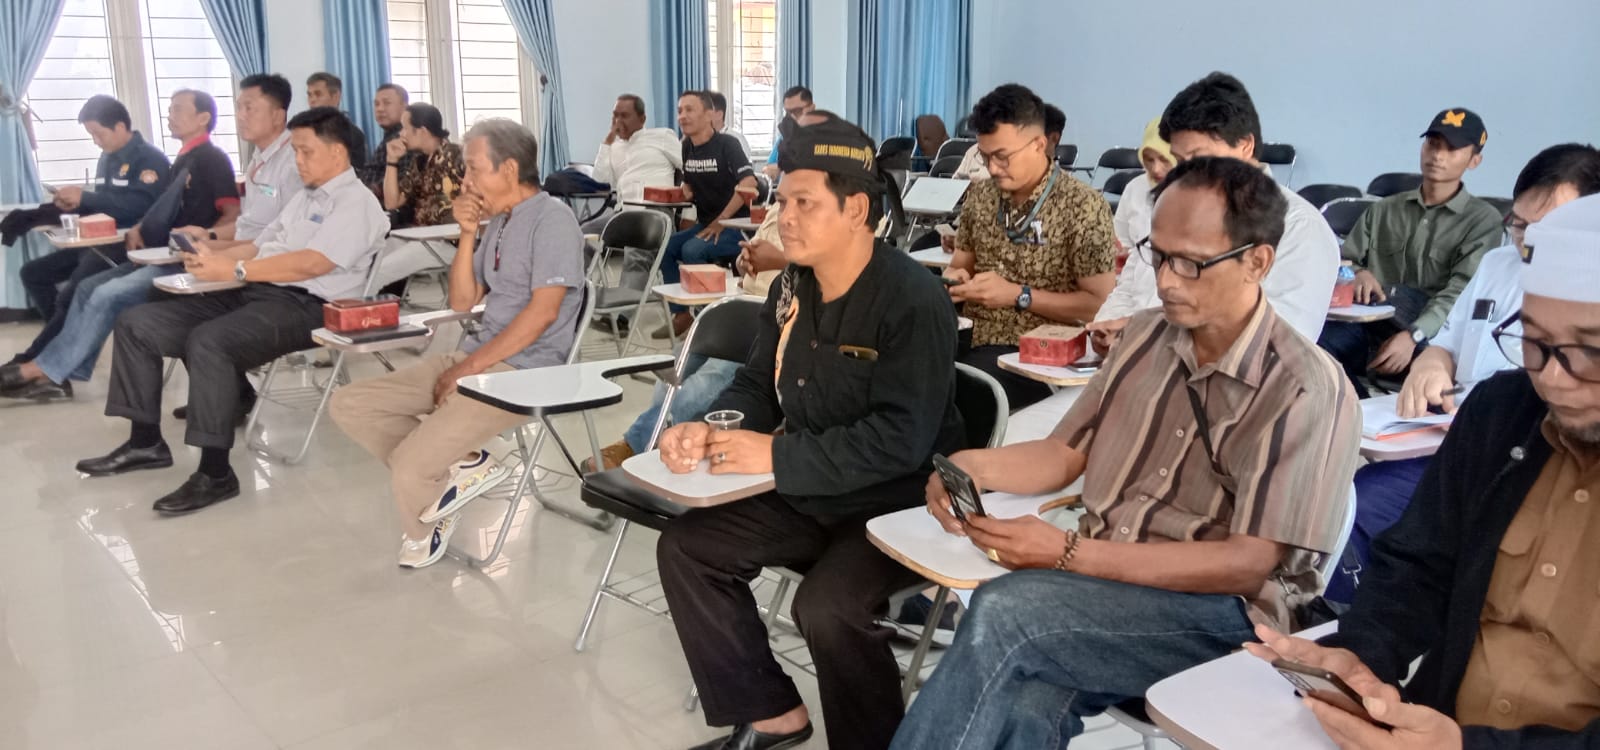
[[497, 237], [1017, 233], [1203, 424]]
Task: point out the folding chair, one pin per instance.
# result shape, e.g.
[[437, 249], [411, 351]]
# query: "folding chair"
[[1066, 156], [724, 330], [944, 166], [1322, 193], [1343, 213], [1278, 155], [1132, 713], [1114, 159], [1390, 183], [895, 152], [642, 230], [1117, 183], [955, 147]]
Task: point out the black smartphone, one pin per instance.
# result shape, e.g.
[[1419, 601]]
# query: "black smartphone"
[[948, 281], [963, 492], [1088, 365], [181, 242], [1324, 686]]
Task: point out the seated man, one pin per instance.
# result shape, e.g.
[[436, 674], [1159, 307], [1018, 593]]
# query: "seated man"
[[853, 356], [318, 249], [1034, 245], [201, 195], [797, 102], [715, 172], [422, 174], [1215, 116], [524, 274], [1464, 352], [129, 176], [1486, 585], [1216, 446], [632, 158], [388, 104], [1422, 246], [719, 121], [324, 89]]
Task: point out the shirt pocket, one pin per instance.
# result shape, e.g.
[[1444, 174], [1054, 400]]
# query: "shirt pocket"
[[841, 386], [1513, 564]]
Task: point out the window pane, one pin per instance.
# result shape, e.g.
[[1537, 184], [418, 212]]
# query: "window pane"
[[488, 62], [181, 52], [408, 47], [77, 65], [752, 45]]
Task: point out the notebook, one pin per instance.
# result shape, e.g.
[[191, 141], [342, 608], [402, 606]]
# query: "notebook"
[[935, 195], [1380, 422], [377, 334]]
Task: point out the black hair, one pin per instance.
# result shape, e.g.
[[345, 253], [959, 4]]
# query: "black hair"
[[1255, 206], [1012, 104], [332, 126], [800, 91], [1217, 105], [203, 102], [1575, 164], [427, 117], [719, 103], [1055, 121], [272, 86], [638, 103], [106, 111], [327, 79], [704, 97], [405, 96]]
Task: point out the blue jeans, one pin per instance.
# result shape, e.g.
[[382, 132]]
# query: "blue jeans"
[[1383, 490], [705, 380], [96, 304], [1041, 649], [685, 247]]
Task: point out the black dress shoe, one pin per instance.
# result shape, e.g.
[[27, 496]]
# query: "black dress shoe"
[[127, 458], [11, 376], [41, 390], [745, 738], [200, 491]]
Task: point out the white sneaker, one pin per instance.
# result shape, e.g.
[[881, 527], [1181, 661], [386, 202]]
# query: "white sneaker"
[[469, 479], [422, 553]]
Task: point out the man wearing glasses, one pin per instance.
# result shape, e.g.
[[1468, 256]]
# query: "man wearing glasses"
[[1034, 246], [1216, 445], [1488, 579], [797, 103], [1463, 353]]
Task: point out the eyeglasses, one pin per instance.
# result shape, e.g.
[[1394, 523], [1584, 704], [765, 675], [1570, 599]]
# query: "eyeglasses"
[[1516, 226], [1580, 360], [1185, 268], [1002, 159]]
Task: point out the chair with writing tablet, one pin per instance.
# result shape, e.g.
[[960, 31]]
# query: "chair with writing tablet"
[[645, 231], [1322, 193], [1390, 183], [1279, 155]]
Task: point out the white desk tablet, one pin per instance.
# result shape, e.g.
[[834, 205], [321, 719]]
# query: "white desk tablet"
[[696, 489], [935, 196]]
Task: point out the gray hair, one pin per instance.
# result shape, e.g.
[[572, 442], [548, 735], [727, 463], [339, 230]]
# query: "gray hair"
[[509, 140]]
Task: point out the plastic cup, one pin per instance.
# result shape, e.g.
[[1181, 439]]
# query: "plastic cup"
[[727, 419], [69, 226]]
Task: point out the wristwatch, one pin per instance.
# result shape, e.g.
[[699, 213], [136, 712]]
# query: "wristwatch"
[[1025, 299], [1418, 337], [238, 272]]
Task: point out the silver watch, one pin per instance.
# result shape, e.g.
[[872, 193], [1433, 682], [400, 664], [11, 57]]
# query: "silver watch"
[[238, 272]]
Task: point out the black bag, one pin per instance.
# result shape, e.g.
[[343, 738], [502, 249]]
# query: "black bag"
[[573, 182], [155, 227]]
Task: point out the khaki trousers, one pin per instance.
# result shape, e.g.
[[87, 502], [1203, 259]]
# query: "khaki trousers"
[[395, 419]]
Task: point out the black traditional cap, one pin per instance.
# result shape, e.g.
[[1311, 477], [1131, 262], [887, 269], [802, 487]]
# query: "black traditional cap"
[[1459, 127], [832, 146]]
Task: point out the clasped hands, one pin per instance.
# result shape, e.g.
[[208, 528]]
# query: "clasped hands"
[[684, 446]]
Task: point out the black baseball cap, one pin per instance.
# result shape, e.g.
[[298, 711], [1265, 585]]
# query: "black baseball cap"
[[1459, 127]]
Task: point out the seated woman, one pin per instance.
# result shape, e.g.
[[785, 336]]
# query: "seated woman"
[[855, 357], [426, 184]]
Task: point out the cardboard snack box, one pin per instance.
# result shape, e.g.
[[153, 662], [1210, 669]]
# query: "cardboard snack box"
[[96, 225], [664, 194], [1053, 345], [703, 278]]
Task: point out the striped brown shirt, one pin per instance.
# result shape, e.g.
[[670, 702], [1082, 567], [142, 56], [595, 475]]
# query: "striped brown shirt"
[[1284, 424]]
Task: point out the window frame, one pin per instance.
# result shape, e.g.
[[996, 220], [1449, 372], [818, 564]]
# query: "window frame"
[[444, 78]]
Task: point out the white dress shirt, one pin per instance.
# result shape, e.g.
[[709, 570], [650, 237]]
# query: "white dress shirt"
[[648, 158], [972, 166], [270, 181], [1468, 341], [340, 219]]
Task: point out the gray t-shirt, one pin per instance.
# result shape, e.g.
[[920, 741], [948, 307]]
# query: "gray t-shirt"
[[538, 244]]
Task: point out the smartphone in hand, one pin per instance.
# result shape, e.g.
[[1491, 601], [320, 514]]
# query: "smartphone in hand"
[[1324, 686], [963, 492], [181, 242]]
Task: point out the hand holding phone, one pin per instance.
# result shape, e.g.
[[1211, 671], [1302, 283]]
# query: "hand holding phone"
[[958, 484], [180, 241], [1325, 686]]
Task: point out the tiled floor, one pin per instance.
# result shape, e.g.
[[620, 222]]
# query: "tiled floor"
[[279, 619]]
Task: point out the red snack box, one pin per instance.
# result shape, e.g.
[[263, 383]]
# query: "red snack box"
[[96, 225], [352, 315], [664, 194], [758, 214], [1054, 345], [703, 278], [1344, 295]]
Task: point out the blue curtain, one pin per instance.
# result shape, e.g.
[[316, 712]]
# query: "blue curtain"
[[241, 28], [680, 56], [535, 21], [911, 58], [794, 44], [356, 35], [26, 27]]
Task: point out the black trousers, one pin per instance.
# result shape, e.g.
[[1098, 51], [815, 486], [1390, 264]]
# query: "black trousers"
[[1020, 391], [43, 279], [707, 558], [219, 336]]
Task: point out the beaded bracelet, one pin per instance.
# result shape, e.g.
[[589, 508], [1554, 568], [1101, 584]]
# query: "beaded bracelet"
[[1070, 549]]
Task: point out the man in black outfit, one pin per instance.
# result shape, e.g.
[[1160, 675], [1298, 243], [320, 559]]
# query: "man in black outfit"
[[854, 356]]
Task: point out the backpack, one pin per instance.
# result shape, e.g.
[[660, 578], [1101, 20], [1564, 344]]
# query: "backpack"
[[573, 182]]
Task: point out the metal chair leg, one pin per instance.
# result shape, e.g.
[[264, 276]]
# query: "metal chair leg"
[[775, 604], [914, 668], [602, 521], [166, 377], [511, 506], [600, 588], [316, 416], [692, 700]]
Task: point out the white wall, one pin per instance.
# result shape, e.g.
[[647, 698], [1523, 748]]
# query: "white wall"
[[294, 44], [830, 42], [605, 51], [1350, 85]]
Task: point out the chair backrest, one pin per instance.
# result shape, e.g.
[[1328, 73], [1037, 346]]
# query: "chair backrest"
[[1278, 154], [983, 406], [1389, 183], [1120, 158], [930, 132], [1118, 182], [944, 166], [964, 127], [645, 230], [955, 147], [726, 330], [585, 312], [1330, 564], [1502, 206], [1343, 213], [1066, 155], [895, 153], [1323, 193]]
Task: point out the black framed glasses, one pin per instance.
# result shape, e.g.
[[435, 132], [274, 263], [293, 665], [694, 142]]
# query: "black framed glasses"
[[1002, 159], [1581, 361], [1186, 268]]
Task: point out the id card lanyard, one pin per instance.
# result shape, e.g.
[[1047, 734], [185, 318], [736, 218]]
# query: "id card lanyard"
[[1019, 232]]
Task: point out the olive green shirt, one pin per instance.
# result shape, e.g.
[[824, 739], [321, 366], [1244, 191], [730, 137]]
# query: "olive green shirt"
[[1435, 249]]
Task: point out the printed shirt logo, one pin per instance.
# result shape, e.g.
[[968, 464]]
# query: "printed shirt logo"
[[148, 177], [1483, 138], [1527, 253], [854, 153], [1453, 119], [124, 171]]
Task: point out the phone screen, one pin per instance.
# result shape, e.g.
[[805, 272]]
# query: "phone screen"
[[1324, 686], [180, 242], [962, 490]]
